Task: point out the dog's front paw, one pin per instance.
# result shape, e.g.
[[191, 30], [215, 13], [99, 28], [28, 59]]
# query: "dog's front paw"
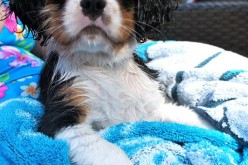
[[88, 148], [117, 157], [102, 153], [113, 155]]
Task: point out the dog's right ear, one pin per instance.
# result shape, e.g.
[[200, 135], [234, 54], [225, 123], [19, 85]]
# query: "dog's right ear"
[[150, 14], [28, 11]]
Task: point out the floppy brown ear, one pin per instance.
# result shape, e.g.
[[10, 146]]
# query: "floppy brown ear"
[[28, 11], [150, 14]]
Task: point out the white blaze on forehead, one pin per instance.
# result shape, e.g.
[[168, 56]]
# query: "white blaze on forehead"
[[74, 20]]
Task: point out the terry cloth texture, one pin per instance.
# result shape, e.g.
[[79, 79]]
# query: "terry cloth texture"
[[20, 143], [145, 143], [157, 143], [209, 79]]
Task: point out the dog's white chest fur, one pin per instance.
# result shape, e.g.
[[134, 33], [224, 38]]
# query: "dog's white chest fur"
[[114, 95], [117, 95]]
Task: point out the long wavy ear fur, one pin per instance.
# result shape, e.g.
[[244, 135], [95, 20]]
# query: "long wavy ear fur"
[[28, 12], [150, 15]]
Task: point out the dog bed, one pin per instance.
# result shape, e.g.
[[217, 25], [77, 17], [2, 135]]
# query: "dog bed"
[[209, 79]]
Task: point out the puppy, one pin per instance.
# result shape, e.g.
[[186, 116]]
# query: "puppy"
[[90, 79]]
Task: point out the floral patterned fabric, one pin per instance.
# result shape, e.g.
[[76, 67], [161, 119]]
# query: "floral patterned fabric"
[[14, 35], [19, 69], [19, 73]]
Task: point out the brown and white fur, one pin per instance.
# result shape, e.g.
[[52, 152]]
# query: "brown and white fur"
[[90, 79]]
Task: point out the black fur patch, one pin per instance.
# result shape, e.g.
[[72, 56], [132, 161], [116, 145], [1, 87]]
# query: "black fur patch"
[[150, 15], [127, 4], [29, 14], [150, 72], [59, 113], [153, 74], [60, 2]]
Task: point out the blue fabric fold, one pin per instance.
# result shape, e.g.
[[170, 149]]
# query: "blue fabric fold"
[[20, 143], [210, 80], [171, 143], [219, 95], [144, 142]]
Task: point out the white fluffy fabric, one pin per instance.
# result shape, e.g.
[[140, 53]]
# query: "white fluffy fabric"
[[209, 79]]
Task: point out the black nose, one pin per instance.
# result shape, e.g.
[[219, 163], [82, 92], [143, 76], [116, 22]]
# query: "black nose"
[[93, 8]]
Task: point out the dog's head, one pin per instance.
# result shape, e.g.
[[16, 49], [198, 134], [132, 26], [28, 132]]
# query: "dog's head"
[[92, 23]]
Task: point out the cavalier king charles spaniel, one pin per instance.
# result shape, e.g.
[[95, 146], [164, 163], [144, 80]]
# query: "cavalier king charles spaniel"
[[91, 78]]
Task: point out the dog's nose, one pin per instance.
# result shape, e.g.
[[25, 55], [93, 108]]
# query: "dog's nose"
[[93, 8]]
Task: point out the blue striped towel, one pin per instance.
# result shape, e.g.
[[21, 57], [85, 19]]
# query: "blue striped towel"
[[209, 79]]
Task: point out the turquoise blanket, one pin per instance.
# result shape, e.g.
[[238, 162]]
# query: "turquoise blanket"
[[20, 143], [218, 95], [144, 142]]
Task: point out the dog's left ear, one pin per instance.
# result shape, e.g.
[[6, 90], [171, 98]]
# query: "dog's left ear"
[[28, 11], [150, 15]]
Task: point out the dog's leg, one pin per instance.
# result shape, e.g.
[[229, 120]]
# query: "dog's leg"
[[180, 114], [88, 148]]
